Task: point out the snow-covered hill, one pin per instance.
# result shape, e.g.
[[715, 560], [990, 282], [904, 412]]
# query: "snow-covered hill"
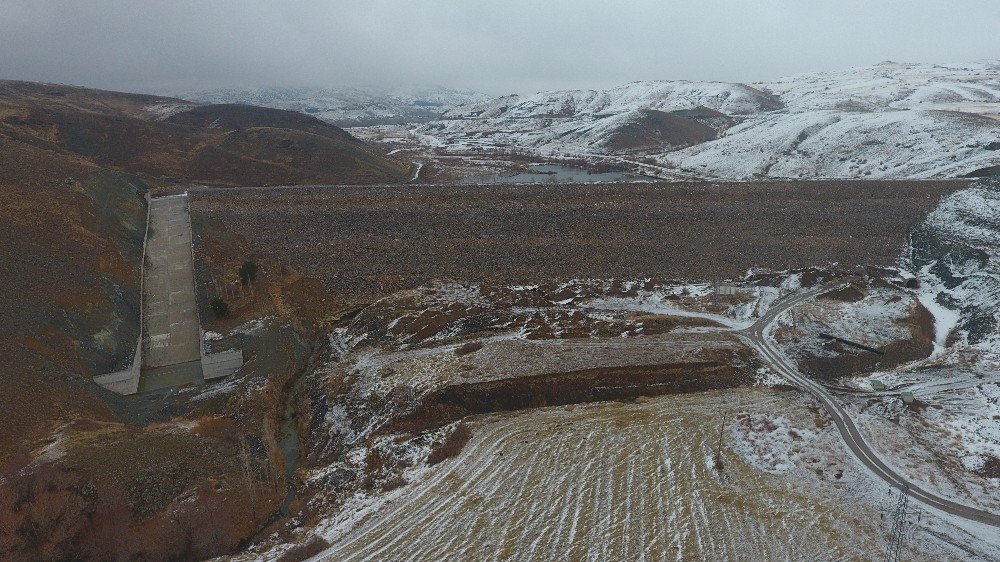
[[350, 106], [887, 120], [956, 254]]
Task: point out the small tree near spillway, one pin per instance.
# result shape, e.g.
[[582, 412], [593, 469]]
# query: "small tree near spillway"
[[248, 272], [219, 307]]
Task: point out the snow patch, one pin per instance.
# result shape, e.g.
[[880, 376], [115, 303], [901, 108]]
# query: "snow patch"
[[768, 443]]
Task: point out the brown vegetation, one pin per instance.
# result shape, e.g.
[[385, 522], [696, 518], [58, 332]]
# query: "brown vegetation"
[[468, 347], [452, 445], [168, 138], [851, 361], [75, 165], [658, 131], [48, 512], [69, 271], [313, 546]]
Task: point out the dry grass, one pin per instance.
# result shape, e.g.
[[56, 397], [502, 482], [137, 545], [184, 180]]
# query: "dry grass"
[[313, 546], [621, 482], [469, 347], [452, 444]]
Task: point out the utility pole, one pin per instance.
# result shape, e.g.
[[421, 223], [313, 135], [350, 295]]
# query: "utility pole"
[[718, 446]]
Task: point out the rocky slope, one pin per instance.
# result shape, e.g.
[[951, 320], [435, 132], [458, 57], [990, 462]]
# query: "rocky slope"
[[956, 255], [888, 120]]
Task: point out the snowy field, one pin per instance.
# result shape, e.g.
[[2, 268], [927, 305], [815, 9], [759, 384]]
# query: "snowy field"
[[889, 120], [637, 480], [616, 481]]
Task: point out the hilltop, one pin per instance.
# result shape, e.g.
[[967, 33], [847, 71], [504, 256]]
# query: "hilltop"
[[890, 120], [174, 140], [348, 107]]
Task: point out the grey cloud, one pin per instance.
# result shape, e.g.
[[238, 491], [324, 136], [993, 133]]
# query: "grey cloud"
[[498, 47]]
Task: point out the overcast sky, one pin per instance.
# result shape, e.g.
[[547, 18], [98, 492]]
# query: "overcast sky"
[[494, 46]]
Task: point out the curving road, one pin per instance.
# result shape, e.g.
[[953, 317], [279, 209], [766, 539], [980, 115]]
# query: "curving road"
[[855, 441]]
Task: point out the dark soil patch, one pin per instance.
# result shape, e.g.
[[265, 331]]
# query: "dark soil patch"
[[587, 385]]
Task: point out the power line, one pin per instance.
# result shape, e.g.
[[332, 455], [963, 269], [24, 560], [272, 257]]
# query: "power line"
[[900, 516]]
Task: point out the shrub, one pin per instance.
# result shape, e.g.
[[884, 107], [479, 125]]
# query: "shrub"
[[452, 444], [396, 481], [40, 512], [219, 307], [248, 272], [217, 428], [468, 348], [313, 546], [375, 460]]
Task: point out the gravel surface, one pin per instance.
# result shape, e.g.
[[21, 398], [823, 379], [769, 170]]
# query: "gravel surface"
[[365, 241]]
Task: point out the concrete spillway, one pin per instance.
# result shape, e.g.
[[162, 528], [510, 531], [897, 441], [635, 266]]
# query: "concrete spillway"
[[170, 350]]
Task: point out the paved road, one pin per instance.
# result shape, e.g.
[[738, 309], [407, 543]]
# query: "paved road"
[[853, 438]]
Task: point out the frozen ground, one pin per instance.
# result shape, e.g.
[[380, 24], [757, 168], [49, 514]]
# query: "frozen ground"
[[416, 337], [890, 120], [956, 431], [882, 316], [636, 482], [949, 439], [639, 480]]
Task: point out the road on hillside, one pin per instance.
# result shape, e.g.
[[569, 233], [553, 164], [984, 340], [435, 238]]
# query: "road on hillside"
[[855, 441]]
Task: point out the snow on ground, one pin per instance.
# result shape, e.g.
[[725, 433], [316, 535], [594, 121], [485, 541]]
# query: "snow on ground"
[[629, 482], [55, 449], [416, 337], [876, 320], [667, 301], [771, 443], [253, 326], [161, 111], [838, 144], [664, 95], [945, 319], [942, 446], [886, 121], [955, 254], [579, 121], [890, 84], [952, 438], [949, 440], [766, 377]]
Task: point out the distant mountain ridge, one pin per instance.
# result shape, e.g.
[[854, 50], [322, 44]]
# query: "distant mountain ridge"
[[184, 141], [888, 120], [348, 107]]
